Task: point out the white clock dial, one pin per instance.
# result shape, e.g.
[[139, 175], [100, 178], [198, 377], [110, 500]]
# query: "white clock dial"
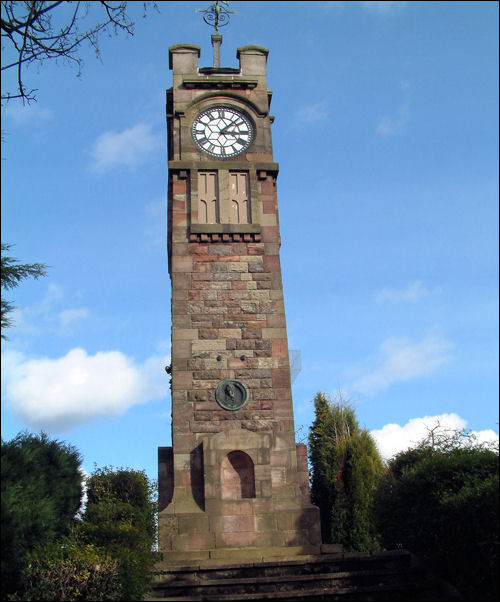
[[222, 132]]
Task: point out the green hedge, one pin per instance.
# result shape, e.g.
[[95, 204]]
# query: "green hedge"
[[442, 504], [41, 493], [120, 517], [70, 570]]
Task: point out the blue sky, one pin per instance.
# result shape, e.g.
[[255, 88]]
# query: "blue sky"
[[386, 133]]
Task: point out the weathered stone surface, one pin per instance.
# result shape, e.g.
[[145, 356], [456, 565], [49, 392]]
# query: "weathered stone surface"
[[237, 480]]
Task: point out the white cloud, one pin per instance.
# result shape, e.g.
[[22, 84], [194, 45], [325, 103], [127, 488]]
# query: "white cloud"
[[22, 114], [130, 147], [393, 125], [35, 319], [69, 316], [312, 113], [45, 316], [58, 394], [410, 294], [394, 438], [383, 7], [400, 360], [486, 436]]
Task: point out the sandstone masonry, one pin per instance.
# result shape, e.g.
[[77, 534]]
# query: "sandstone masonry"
[[234, 481]]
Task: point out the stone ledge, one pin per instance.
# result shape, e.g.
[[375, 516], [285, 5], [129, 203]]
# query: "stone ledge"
[[243, 556], [210, 82]]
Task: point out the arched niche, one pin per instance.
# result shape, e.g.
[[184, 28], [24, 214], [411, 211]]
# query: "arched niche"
[[237, 476]]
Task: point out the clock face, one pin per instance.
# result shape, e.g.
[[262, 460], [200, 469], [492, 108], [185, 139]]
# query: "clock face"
[[222, 132]]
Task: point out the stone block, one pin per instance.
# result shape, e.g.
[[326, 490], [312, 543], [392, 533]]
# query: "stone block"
[[276, 321], [229, 333], [208, 345], [251, 333], [183, 443], [276, 293], [229, 266], [281, 377], [203, 427], [274, 333], [182, 264], [238, 540], [181, 321], [182, 380], [260, 295], [269, 220], [255, 266], [180, 281], [199, 396], [266, 522], [181, 462], [182, 558], [184, 334], [231, 555], [232, 524], [191, 524], [256, 248], [266, 488], [270, 234], [278, 475], [187, 542], [230, 507]]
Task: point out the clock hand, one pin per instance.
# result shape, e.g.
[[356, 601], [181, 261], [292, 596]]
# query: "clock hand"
[[224, 130]]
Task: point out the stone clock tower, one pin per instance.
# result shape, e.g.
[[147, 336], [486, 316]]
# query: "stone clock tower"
[[234, 484]]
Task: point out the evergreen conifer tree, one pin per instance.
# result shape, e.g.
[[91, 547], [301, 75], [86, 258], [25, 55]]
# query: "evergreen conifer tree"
[[346, 468], [41, 494]]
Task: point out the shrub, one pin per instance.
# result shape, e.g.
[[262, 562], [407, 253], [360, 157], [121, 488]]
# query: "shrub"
[[41, 494], [70, 570], [441, 502], [120, 518]]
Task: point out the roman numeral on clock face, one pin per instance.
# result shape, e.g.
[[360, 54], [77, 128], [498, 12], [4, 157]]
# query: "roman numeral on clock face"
[[222, 132]]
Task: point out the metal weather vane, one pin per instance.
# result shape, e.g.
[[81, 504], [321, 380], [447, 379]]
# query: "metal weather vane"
[[216, 15]]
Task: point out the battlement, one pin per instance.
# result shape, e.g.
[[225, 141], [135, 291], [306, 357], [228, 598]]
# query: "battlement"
[[183, 60]]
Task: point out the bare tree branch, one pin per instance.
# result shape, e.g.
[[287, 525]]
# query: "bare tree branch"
[[36, 31]]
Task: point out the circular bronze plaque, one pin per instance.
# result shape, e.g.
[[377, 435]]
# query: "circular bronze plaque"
[[231, 394]]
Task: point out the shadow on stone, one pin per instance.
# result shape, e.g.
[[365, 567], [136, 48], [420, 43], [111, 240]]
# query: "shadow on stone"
[[197, 476], [165, 477]]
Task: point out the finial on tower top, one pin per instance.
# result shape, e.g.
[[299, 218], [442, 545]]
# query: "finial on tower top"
[[216, 15]]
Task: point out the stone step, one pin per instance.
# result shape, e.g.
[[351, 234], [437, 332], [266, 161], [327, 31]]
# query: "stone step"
[[301, 565], [331, 581], [385, 576], [387, 593]]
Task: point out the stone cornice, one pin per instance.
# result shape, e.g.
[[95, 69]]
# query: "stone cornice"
[[219, 82]]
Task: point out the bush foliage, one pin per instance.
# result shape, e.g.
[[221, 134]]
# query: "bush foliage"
[[346, 468], [70, 570], [49, 554], [120, 518], [440, 500], [41, 494]]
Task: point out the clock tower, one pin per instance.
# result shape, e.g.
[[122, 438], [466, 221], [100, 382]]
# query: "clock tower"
[[234, 484]]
